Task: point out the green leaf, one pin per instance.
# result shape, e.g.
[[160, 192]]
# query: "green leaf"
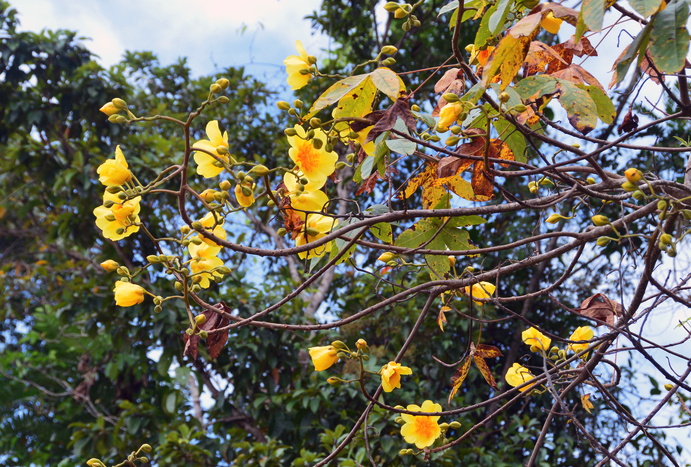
[[624, 62], [170, 403], [439, 264], [456, 239], [417, 234], [593, 12], [382, 231], [401, 146], [605, 107], [669, 40], [366, 167], [336, 92], [465, 221], [498, 18], [536, 85], [580, 108], [483, 32], [645, 7], [387, 82], [426, 118], [453, 5], [356, 103], [513, 138], [164, 361]]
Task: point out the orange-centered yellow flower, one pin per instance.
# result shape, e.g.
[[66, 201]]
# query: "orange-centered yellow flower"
[[583, 333], [121, 215], [109, 109], [316, 227], [551, 24], [128, 294], [316, 164], [481, 290], [114, 172], [294, 64], [209, 222], [518, 375], [204, 260], [533, 337], [311, 199], [323, 357], [449, 114], [391, 375], [206, 164], [421, 430]]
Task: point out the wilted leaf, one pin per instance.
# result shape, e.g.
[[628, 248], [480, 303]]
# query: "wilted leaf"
[[486, 372], [356, 103], [630, 122], [487, 351], [459, 376], [601, 307], [580, 108], [578, 75], [585, 401], [214, 342], [399, 109], [337, 90], [506, 59], [449, 77], [441, 319], [649, 69], [534, 87], [669, 40], [387, 82], [455, 87]]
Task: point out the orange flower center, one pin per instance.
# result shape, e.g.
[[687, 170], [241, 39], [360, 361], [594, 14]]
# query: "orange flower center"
[[425, 427], [307, 157], [121, 213]]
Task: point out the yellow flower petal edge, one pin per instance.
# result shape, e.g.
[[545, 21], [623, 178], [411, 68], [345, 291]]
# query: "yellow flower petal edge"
[[296, 63], [128, 294], [583, 333], [518, 375], [322, 225], [421, 430], [206, 163], [114, 172], [323, 357], [391, 375], [533, 337], [481, 290]]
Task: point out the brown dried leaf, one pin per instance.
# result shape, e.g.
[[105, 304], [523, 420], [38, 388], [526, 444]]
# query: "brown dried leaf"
[[487, 351], [486, 372], [373, 118], [630, 122], [215, 341], [369, 184], [446, 80], [459, 376], [441, 319], [541, 58], [579, 75], [648, 67], [399, 109], [602, 308]]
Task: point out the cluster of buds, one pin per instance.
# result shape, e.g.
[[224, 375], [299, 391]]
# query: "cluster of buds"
[[403, 10], [217, 87], [144, 448], [113, 108]]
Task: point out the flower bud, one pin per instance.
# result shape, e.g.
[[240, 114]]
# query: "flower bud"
[[435, 138], [452, 140], [328, 147], [361, 344], [554, 218], [662, 205], [687, 214], [119, 104], [196, 225], [120, 119], [638, 195], [456, 129], [293, 112], [402, 452], [223, 100], [340, 165], [202, 334], [311, 59], [317, 143], [386, 257], [452, 261], [591, 181], [392, 264], [534, 348], [666, 239], [603, 241], [215, 88], [113, 118], [444, 426], [281, 232], [339, 345], [600, 220], [185, 229], [391, 7], [200, 319], [633, 175], [401, 13], [554, 349], [95, 463], [223, 82], [504, 97], [335, 382], [389, 61], [520, 108], [668, 387], [297, 103], [246, 191], [283, 105], [110, 265], [628, 186], [454, 425], [533, 189], [153, 259], [315, 123], [389, 50], [260, 170], [224, 185], [311, 232], [450, 97]]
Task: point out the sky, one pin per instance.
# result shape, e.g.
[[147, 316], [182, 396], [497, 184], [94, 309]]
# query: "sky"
[[259, 34], [210, 35]]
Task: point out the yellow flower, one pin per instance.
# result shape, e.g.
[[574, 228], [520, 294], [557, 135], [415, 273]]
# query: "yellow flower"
[[534, 337], [321, 225], [110, 265], [205, 162], [362, 137], [204, 259], [294, 64], [421, 430], [323, 357], [121, 215], [449, 114], [391, 375], [209, 222], [128, 294], [109, 109], [551, 24], [481, 290], [244, 201], [114, 172], [583, 333], [312, 199], [518, 375], [316, 164]]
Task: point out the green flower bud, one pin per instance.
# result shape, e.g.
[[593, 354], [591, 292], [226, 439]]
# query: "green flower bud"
[[120, 231], [311, 59], [666, 239], [600, 220], [119, 104], [113, 118], [196, 288], [668, 387], [185, 229], [392, 264], [671, 251], [222, 150], [292, 112], [638, 195], [196, 225], [158, 309], [402, 452], [452, 140], [450, 97], [297, 103], [603, 241], [520, 108], [120, 119], [454, 425], [504, 97], [223, 270], [415, 108], [389, 50], [260, 170], [223, 100], [153, 259], [224, 83], [283, 105], [311, 231], [435, 138], [328, 147], [687, 214], [628, 186], [340, 165], [554, 218], [281, 232], [215, 88], [122, 195], [317, 143], [246, 191], [662, 205], [178, 286], [591, 181], [456, 129], [315, 123], [335, 382], [350, 157], [202, 334], [389, 61]]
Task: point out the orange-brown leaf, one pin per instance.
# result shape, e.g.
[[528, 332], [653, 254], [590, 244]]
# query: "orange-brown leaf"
[[601, 307], [486, 372], [441, 319], [579, 75], [482, 180], [449, 77], [459, 376], [487, 351]]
